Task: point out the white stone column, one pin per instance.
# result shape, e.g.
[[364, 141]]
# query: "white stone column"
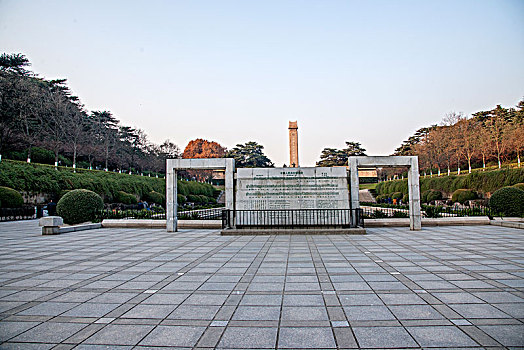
[[415, 218], [229, 183], [353, 186], [171, 198]]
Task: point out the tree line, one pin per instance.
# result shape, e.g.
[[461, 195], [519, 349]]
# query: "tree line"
[[38, 114], [485, 138]]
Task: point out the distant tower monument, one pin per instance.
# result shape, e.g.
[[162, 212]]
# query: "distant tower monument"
[[293, 144]]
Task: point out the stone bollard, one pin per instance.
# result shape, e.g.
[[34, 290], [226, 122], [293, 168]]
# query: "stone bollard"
[[51, 225]]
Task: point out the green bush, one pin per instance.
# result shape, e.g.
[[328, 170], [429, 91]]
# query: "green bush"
[[194, 198], [155, 197], [10, 198], [480, 181], [181, 199], [400, 214], [463, 195], [124, 198], [405, 199], [508, 201], [433, 212], [397, 195], [431, 195], [40, 178], [79, 206], [380, 198], [520, 186]]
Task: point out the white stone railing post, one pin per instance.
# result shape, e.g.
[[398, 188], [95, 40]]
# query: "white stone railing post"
[[171, 197], [353, 185]]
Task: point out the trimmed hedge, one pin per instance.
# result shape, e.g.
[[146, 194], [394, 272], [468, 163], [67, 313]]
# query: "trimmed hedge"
[[155, 197], [195, 188], [181, 199], [10, 198], [463, 195], [431, 195], [397, 195], [479, 181], [508, 201], [520, 186], [79, 206], [124, 198], [37, 178]]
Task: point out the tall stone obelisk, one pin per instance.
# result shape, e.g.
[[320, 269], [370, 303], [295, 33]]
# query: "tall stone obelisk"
[[293, 144]]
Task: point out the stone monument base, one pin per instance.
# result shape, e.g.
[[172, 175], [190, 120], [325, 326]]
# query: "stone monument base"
[[295, 231]]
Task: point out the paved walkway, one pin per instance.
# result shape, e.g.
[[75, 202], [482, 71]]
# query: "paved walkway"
[[444, 287], [366, 196]]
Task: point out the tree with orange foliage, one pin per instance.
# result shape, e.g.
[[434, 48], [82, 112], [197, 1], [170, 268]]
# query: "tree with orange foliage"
[[201, 148]]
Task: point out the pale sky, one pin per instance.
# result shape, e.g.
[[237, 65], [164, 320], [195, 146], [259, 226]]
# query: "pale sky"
[[238, 71]]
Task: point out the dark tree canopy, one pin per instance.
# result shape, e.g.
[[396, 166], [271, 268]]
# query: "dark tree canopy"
[[339, 157], [14, 63], [44, 116], [249, 155]]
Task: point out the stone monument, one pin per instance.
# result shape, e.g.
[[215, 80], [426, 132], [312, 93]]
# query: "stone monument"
[[291, 188], [272, 193], [293, 144]]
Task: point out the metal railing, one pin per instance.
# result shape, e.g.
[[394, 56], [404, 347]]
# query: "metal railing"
[[292, 218], [429, 211], [200, 214], [11, 214]]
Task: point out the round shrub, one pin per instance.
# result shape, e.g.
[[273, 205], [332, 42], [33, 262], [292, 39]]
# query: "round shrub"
[[463, 195], [181, 199], [397, 195], [433, 195], [125, 198], [520, 186], [508, 201], [10, 198], [79, 206], [155, 197], [193, 198]]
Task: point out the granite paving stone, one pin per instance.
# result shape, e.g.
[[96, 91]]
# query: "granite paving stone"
[[249, 338], [10, 329], [176, 336], [91, 310], [306, 338], [114, 334], [254, 313], [441, 336], [368, 313], [49, 332], [415, 312], [48, 309], [304, 313], [149, 311], [507, 335], [383, 337]]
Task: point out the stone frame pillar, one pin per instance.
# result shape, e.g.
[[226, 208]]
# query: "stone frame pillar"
[[172, 165], [415, 217]]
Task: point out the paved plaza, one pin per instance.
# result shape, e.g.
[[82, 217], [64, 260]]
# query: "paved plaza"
[[442, 287]]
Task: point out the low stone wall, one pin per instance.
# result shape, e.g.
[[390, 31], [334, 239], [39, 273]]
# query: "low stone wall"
[[508, 222], [182, 224], [53, 225], [404, 222], [299, 231]]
